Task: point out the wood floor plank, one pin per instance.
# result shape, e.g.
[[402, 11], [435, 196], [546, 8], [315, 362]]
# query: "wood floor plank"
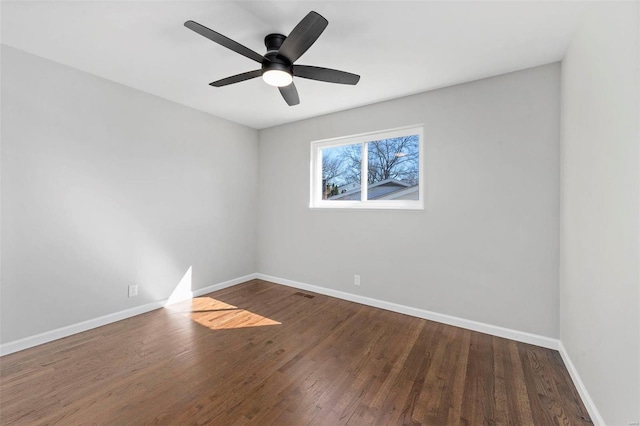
[[260, 354], [478, 404], [459, 366]]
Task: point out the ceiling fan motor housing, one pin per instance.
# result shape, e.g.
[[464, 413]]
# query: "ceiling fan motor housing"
[[275, 62]]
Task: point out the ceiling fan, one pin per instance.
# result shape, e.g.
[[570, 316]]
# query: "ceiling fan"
[[278, 68]]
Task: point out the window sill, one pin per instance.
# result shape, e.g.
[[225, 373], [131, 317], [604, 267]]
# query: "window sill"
[[368, 206]]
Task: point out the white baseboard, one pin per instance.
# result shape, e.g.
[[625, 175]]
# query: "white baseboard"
[[494, 330], [199, 292], [220, 286], [59, 333], [39, 339], [596, 418]]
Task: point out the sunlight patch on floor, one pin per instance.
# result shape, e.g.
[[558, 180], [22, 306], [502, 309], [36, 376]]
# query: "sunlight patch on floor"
[[218, 315]]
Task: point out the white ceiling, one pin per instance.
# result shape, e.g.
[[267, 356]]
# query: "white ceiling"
[[398, 48]]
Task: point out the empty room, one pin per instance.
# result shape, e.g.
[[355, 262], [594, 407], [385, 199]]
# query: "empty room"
[[320, 212]]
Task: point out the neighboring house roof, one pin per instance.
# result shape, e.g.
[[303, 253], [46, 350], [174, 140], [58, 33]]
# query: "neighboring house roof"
[[389, 182], [382, 190], [410, 193]]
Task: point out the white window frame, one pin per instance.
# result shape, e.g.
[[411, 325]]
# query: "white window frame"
[[316, 201]]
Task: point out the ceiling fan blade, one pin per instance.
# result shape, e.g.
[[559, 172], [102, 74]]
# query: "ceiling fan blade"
[[290, 94], [325, 74], [224, 41], [237, 78], [303, 36]]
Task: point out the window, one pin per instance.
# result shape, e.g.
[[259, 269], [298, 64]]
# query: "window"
[[379, 170]]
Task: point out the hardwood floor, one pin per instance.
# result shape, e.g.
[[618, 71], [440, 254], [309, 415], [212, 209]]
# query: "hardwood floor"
[[260, 353]]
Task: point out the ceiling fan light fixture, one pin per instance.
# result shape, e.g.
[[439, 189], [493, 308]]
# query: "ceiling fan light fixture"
[[277, 78]]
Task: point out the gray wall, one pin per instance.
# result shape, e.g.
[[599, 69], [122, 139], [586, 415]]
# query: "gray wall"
[[105, 186], [599, 285], [486, 246]]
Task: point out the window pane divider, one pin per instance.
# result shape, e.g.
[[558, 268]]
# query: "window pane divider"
[[364, 176]]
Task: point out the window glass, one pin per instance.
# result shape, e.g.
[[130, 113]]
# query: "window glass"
[[393, 166], [341, 170]]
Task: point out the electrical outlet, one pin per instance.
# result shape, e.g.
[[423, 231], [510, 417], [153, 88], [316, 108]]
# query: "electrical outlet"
[[356, 280], [133, 290]]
